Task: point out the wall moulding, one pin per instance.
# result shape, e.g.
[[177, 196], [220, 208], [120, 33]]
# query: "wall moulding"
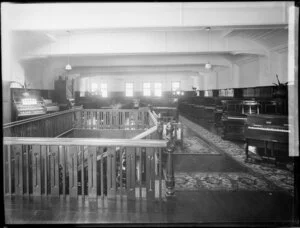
[[246, 59], [280, 48]]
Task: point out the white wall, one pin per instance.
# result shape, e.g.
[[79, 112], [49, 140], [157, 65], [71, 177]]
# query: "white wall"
[[223, 79], [251, 73]]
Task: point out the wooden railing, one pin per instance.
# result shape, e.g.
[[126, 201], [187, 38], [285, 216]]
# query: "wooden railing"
[[56, 124], [113, 119], [103, 168], [49, 125], [153, 118]]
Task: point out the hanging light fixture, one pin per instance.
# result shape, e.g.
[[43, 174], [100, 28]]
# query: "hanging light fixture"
[[68, 66], [208, 65]]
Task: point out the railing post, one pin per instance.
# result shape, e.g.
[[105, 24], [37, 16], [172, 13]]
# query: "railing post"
[[160, 127], [170, 182]]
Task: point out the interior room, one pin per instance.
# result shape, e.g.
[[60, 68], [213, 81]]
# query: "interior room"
[[150, 113]]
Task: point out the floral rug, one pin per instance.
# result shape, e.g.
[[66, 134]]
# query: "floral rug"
[[194, 145], [281, 178], [220, 181]]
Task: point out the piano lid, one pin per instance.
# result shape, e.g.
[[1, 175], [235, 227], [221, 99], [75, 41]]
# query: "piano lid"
[[266, 119]]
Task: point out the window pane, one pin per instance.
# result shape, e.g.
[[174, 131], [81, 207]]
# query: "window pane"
[[175, 86], [15, 85], [157, 89], [129, 89], [104, 93], [94, 87], [146, 89], [103, 87]]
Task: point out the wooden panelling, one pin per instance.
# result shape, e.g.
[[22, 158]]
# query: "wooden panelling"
[[49, 125]]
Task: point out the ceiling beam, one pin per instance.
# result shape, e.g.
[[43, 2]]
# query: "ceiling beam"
[[69, 16]]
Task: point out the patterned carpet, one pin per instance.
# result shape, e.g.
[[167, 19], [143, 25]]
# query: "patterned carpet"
[[220, 181], [284, 179], [194, 145]]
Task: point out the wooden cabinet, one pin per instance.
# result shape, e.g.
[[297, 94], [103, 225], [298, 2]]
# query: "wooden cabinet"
[[64, 90]]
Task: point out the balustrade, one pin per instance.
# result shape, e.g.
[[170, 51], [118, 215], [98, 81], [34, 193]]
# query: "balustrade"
[[80, 167], [83, 167], [57, 124], [113, 119]]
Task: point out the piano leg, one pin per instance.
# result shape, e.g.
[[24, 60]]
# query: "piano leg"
[[272, 153], [246, 150], [266, 148]]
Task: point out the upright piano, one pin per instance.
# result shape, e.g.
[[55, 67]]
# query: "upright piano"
[[235, 115], [269, 134], [233, 125]]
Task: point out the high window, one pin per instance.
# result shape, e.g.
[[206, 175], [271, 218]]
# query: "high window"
[[94, 88], [146, 89], [157, 89], [15, 85], [103, 89], [175, 87], [129, 89]]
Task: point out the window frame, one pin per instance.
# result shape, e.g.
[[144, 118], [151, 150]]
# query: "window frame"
[[132, 90], [172, 88], [155, 89], [96, 91], [148, 89], [101, 89]]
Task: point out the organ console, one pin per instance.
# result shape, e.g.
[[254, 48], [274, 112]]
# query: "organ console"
[[27, 104], [270, 133]]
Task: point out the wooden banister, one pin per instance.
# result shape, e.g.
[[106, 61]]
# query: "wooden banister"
[[146, 133], [153, 117], [84, 141]]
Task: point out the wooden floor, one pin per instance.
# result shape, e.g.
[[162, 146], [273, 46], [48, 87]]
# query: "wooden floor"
[[188, 207]]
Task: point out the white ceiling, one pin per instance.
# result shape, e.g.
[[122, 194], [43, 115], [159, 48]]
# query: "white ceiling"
[[255, 35]]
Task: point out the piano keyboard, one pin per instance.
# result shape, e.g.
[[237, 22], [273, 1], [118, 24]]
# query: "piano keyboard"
[[269, 129]]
